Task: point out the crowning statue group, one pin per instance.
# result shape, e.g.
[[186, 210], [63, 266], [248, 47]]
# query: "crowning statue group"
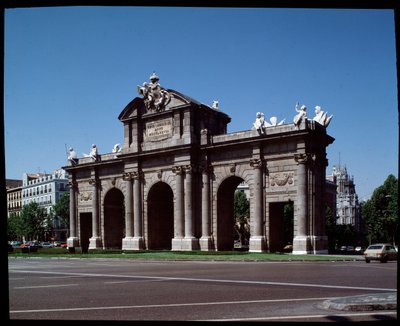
[[320, 116]]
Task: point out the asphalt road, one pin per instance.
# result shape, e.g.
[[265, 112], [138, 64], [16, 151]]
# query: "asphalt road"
[[118, 289]]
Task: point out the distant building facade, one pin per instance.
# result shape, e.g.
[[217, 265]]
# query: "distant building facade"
[[347, 204], [14, 196], [46, 190]]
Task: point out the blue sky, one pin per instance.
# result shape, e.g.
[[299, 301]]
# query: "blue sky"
[[70, 71]]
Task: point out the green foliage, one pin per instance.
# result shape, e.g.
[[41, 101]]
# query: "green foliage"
[[61, 209], [288, 214], [380, 212], [241, 211], [34, 222], [14, 227], [241, 207]]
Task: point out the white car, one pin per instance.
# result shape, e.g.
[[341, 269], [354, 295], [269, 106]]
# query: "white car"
[[380, 251]]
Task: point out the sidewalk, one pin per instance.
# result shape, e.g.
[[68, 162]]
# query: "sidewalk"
[[367, 302]]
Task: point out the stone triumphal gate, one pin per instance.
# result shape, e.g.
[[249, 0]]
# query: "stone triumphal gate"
[[171, 185]]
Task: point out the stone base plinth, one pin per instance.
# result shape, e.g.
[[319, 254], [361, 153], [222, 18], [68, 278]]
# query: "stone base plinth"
[[301, 245], [132, 243], [257, 244], [72, 242], [95, 243], [205, 244], [176, 244], [189, 244]]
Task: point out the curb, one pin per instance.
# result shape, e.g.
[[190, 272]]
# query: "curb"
[[367, 302]]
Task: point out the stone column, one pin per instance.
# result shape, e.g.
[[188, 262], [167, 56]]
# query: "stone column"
[[72, 240], [205, 240], [95, 240], [189, 241], [138, 242], [179, 209], [257, 238], [127, 242], [318, 238], [301, 241]]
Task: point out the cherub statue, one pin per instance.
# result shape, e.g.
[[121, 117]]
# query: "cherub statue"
[[72, 157], [259, 124], [301, 115], [93, 153]]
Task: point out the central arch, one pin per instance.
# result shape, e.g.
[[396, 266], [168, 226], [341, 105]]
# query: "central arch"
[[225, 213], [114, 219], [160, 208]]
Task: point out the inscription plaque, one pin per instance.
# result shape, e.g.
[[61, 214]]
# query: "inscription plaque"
[[159, 130]]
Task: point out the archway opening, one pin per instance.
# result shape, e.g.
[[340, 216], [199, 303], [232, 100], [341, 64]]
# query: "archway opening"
[[85, 230], [226, 231], [281, 227], [114, 219], [160, 210]]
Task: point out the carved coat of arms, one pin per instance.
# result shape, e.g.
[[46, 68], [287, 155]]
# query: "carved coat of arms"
[[155, 97]]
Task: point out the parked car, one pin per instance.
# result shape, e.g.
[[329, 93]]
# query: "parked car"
[[46, 244], [31, 244], [359, 250], [15, 244], [380, 251]]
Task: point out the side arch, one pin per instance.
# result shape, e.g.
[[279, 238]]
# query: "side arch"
[[160, 217], [225, 213], [114, 219]]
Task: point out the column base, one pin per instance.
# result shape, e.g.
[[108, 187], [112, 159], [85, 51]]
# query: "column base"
[[132, 243], [176, 244], [190, 244], [206, 244], [95, 243], [257, 244], [301, 245], [72, 242]]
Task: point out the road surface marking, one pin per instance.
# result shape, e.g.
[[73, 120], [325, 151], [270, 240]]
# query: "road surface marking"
[[166, 278]]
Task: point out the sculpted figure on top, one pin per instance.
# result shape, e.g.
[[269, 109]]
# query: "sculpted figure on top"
[[322, 117], [155, 97], [260, 123], [301, 114]]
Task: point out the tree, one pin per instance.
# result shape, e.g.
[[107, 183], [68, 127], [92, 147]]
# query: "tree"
[[61, 209], [331, 229], [241, 212], [34, 221], [288, 214], [14, 227], [380, 212]]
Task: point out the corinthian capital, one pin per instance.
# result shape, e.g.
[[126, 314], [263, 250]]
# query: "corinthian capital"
[[256, 163], [72, 184], [93, 181], [188, 169], [301, 158], [136, 175], [177, 169], [127, 176]]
